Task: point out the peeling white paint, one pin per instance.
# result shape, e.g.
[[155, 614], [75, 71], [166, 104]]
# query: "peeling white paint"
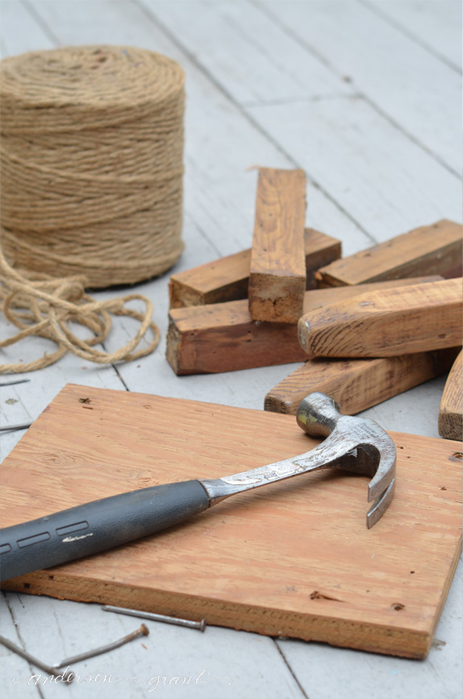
[[76, 538]]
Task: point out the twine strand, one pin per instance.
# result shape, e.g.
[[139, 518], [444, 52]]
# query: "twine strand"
[[45, 307]]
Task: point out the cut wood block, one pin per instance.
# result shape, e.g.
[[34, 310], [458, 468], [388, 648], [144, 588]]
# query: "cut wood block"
[[435, 249], [451, 407], [277, 277], [387, 322], [227, 278], [293, 558], [223, 337], [357, 384]]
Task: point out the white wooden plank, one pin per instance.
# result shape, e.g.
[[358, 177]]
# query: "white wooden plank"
[[19, 30], [331, 674], [366, 164], [246, 51], [386, 182], [404, 80], [436, 24], [14, 668], [221, 663]]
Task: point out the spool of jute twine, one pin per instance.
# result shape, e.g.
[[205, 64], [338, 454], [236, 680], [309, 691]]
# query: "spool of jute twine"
[[91, 164]]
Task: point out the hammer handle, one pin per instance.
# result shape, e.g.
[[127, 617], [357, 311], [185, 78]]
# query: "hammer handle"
[[97, 526]]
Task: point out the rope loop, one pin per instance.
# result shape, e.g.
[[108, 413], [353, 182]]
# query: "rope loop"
[[46, 307]]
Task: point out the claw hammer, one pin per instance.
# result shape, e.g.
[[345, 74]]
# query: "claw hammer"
[[354, 444]]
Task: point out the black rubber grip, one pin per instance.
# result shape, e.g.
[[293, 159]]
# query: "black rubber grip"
[[97, 526]]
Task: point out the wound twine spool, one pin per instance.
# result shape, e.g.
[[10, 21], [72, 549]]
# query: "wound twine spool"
[[91, 155], [92, 148]]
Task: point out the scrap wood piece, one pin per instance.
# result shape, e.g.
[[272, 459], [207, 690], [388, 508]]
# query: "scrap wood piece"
[[451, 408], [277, 277], [293, 559], [434, 249], [223, 337], [387, 322], [357, 384], [227, 278]]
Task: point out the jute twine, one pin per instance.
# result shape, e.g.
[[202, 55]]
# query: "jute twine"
[[92, 162], [40, 305]]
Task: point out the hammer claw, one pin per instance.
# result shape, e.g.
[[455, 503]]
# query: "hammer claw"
[[354, 444]]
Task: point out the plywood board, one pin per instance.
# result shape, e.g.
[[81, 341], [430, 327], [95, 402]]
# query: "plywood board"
[[294, 558]]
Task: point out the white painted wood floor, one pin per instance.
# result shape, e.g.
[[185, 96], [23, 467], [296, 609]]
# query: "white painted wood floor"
[[365, 96]]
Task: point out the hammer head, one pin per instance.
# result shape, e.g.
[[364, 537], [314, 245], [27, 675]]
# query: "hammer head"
[[354, 444]]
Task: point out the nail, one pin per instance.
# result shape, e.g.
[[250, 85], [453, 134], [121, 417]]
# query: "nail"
[[142, 631], [67, 675], [200, 625], [13, 428], [13, 383]]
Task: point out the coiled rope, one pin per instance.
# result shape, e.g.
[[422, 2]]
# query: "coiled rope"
[[91, 165], [45, 307], [91, 155]]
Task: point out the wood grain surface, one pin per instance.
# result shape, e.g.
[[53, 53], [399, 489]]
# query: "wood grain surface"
[[387, 323], [227, 278], [223, 337], [294, 558], [433, 249], [357, 384], [451, 407], [277, 278]]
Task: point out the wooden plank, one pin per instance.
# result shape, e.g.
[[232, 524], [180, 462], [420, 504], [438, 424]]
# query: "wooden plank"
[[31, 37], [227, 278], [434, 249], [277, 277], [436, 25], [242, 48], [223, 337], [362, 148], [451, 408], [357, 384], [335, 30], [387, 323], [273, 561]]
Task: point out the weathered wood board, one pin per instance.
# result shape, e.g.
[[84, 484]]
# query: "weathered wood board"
[[434, 249], [223, 337], [357, 384], [451, 407], [277, 278], [294, 558], [227, 278], [387, 323]]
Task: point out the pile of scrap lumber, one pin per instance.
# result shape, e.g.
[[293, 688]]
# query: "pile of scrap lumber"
[[368, 326]]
